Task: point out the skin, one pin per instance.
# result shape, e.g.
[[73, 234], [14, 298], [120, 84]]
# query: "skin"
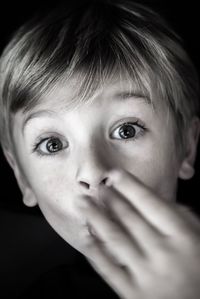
[[158, 258], [111, 198]]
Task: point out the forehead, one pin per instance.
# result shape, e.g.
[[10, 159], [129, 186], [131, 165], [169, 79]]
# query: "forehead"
[[68, 95], [114, 97]]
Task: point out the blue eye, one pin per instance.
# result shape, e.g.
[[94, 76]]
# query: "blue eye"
[[50, 146], [128, 131]]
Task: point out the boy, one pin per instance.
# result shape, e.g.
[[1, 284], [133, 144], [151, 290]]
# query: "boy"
[[99, 119]]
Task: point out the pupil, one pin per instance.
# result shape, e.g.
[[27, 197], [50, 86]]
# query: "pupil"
[[54, 145], [127, 131]]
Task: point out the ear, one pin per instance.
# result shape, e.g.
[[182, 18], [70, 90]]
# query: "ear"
[[187, 170], [29, 198]]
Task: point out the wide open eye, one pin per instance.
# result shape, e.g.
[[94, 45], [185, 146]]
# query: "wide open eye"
[[128, 131], [50, 146]]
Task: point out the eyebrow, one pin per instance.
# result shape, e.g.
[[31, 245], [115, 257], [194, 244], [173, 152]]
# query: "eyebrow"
[[125, 95], [40, 113], [120, 96]]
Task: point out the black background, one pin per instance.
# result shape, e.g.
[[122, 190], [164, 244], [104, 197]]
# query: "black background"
[[28, 246]]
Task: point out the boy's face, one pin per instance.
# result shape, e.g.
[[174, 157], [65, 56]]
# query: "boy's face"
[[116, 130]]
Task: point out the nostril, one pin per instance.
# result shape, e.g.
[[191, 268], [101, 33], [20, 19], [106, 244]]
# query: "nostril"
[[104, 181], [85, 185]]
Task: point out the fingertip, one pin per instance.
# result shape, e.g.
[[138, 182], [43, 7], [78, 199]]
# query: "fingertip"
[[113, 176]]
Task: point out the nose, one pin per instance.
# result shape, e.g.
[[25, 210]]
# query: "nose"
[[92, 172], [86, 185]]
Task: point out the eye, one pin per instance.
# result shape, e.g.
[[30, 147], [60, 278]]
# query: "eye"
[[50, 146], [128, 131]]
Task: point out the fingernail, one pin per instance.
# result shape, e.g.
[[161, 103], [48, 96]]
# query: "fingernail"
[[91, 230]]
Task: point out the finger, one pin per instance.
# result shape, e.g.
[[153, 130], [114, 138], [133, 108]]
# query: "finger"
[[190, 217], [139, 228], [112, 272], [162, 214], [116, 241]]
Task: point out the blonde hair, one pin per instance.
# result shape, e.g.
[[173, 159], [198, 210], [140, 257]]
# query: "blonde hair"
[[94, 40]]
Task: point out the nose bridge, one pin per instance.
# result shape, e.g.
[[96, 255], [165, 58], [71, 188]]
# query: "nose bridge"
[[92, 166]]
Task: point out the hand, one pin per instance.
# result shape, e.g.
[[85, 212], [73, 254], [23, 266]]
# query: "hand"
[[143, 246]]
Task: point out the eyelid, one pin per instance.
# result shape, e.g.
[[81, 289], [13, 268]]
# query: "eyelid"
[[48, 134], [41, 139], [132, 120], [129, 120]]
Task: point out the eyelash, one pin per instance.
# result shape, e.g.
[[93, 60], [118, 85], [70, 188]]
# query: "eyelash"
[[136, 123], [41, 139]]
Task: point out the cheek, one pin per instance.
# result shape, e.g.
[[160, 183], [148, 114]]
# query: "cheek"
[[47, 175], [58, 201], [52, 185], [155, 165], [62, 208], [63, 214]]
